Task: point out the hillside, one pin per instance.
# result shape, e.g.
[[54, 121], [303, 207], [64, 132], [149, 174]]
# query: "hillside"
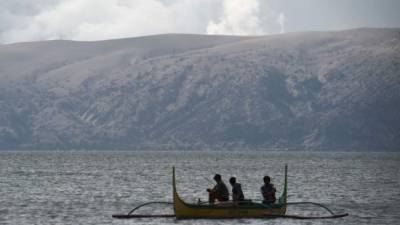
[[298, 91]]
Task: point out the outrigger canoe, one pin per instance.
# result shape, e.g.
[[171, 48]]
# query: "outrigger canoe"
[[247, 209]]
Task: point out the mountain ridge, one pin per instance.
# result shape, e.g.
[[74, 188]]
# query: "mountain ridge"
[[310, 90]]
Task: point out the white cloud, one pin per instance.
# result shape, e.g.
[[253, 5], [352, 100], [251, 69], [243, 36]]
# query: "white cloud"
[[247, 17], [239, 17], [107, 19]]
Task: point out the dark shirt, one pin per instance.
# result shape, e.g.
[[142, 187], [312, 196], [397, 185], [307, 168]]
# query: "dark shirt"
[[221, 190], [237, 193], [268, 192]]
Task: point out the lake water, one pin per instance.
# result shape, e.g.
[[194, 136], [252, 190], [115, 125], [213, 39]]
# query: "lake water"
[[88, 187]]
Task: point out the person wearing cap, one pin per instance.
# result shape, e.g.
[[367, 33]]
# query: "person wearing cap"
[[237, 193], [219, 192], [268, 191]]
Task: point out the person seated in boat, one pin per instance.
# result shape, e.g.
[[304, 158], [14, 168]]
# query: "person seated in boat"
[[219, 192], [268, 191], [237, 193]]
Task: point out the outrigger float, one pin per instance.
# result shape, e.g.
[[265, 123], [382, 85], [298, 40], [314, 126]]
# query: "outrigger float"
[[225, 210]]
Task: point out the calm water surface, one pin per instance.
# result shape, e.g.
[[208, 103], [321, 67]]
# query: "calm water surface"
[[88, 187]]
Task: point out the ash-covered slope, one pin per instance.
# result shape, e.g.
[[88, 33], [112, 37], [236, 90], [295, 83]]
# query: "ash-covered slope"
[[314, 90]]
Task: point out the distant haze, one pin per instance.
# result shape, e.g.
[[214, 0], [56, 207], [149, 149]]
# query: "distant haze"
[[22, 20]]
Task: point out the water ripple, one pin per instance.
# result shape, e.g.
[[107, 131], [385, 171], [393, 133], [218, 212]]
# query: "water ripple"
[[88, 187]]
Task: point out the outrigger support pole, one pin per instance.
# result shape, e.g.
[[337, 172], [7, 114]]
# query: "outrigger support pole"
[[148, 203], [332, 216], [312, 203], [130, 215]]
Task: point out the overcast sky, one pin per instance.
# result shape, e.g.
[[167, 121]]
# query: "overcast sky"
[[32, 20]]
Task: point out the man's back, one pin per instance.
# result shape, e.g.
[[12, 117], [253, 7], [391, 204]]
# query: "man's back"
[[222, 190], [237, 193]]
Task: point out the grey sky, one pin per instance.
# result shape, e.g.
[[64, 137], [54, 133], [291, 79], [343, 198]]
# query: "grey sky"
[[26, 20], [338, 14]]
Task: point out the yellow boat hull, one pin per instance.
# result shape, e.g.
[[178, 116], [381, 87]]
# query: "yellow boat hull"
[[228, 210]]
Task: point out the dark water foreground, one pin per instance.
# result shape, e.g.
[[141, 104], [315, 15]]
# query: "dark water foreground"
[[88, 187]]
